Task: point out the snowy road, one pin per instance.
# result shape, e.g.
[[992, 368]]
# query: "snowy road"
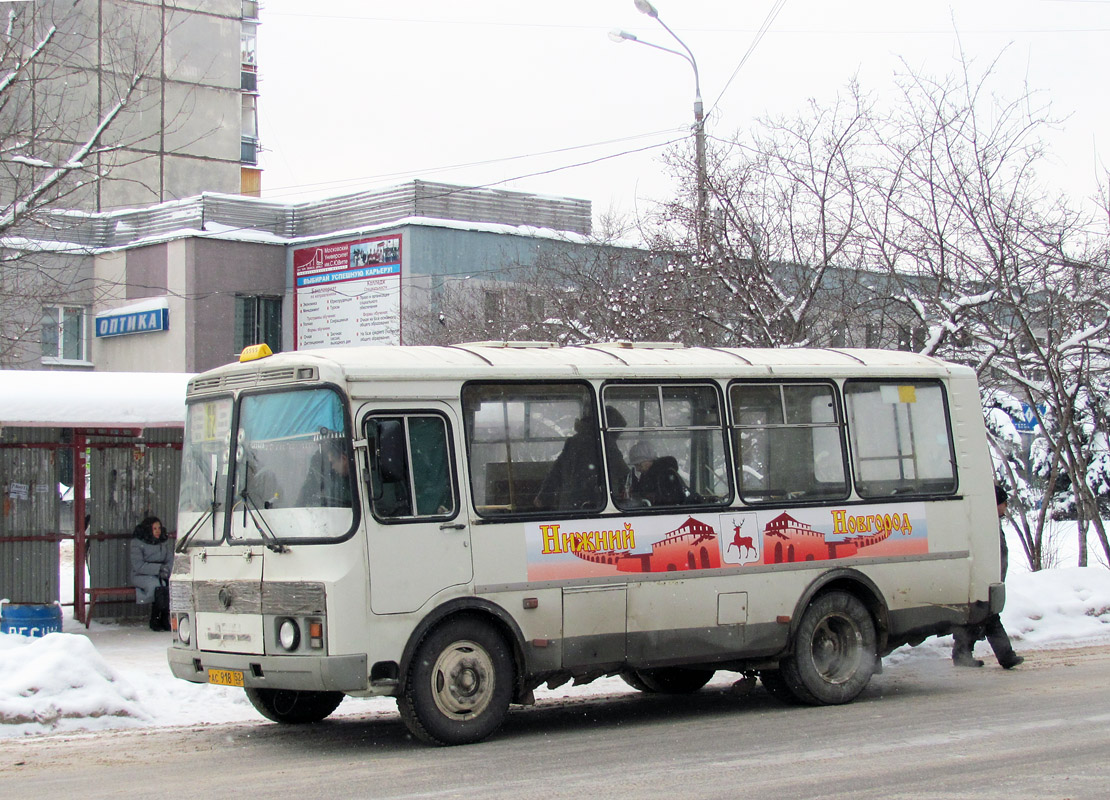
[[923, 729]]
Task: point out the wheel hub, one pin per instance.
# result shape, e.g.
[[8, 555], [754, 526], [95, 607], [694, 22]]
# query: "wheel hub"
[[462, 680], [836, 648]]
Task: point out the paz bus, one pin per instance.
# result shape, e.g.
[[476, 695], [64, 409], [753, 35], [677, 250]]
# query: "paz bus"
[[457, 526]]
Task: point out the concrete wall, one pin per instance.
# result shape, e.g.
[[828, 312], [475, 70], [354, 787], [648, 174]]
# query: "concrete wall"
[[218, 271], [200, 279], [40, 279], [132, 275]]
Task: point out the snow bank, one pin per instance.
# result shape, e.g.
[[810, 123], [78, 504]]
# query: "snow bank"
[[1059, 605], [61, 683]]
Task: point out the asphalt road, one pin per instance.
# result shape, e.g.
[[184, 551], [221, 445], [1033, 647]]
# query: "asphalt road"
[[923, 729]]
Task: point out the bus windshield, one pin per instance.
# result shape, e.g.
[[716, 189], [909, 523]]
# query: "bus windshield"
[[292, 465], [204, 467]]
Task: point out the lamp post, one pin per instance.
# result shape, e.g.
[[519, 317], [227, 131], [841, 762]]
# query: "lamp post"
[[701, 200]]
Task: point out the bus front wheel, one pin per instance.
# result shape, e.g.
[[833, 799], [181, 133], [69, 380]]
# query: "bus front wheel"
[[834, 651], [459, 684], [294, 707]]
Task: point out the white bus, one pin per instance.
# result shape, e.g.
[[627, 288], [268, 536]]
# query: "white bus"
[[456, 526]]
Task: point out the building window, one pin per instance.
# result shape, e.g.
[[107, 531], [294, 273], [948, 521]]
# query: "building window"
[[493, 303], [63, 333], [249, 57], [249, 151], [912, 338], [248, 41], [257, 321]]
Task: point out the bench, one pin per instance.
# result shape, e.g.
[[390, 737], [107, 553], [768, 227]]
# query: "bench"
[[107, 594]]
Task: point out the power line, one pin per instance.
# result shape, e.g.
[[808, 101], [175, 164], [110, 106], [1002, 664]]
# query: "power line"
[[772, 13], [492, 161]]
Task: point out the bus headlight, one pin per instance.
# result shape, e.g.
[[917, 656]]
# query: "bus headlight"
[[184, 628], [289, 635]]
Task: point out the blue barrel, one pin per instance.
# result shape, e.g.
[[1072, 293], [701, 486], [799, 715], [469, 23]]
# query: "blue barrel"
[[30, 620]]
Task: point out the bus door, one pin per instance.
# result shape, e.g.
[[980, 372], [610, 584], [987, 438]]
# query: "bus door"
[[418, 539]]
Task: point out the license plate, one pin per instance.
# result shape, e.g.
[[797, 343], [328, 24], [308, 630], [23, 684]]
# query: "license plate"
[[225, 677]]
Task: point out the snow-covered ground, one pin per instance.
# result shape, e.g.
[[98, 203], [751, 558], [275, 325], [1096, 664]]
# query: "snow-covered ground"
[[116, 676]]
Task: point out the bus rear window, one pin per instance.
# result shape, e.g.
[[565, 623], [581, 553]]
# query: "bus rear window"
[[901, 440]]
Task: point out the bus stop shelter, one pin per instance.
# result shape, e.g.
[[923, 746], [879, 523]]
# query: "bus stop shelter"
[[84, 456]]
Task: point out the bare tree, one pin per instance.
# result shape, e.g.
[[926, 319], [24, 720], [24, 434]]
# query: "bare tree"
[[78, 90], [922, 226], [995, 268]]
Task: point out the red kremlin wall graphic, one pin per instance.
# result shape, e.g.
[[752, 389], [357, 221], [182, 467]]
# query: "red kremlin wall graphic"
[[786, 540], [694, 545]]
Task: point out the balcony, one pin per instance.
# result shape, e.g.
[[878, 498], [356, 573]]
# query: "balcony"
[[248, 150]]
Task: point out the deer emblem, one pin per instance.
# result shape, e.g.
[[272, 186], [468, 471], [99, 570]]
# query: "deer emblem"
[[739, 541]]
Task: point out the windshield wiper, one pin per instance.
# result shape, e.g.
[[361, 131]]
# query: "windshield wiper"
[[209, 513], [260, 524]]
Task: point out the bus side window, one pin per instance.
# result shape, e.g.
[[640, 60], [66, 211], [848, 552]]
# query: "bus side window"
[[673, 442], [533, 447], [789, 442], [901, 439], [410, 467]]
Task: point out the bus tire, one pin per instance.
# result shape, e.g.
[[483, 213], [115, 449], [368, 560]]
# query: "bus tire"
[[459, 684], [834, 651], [667, 680], [294, 707]]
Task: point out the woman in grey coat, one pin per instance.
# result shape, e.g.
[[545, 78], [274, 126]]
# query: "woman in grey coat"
[[151, 562]]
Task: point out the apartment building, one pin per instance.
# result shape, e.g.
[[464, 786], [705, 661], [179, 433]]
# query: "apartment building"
[[188, 75]]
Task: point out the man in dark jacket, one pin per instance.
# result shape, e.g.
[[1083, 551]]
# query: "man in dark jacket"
[[964, 638], [575, 479], [656, 479]]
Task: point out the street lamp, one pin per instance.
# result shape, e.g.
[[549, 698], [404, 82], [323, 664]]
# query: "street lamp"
[[701, 202]]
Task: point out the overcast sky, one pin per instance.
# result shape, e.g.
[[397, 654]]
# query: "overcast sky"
[[360, 94]]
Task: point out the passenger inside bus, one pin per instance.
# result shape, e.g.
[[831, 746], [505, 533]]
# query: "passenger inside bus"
[[574, 480], [655, 481], [328, 482]]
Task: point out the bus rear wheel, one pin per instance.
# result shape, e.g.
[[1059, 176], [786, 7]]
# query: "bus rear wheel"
[[834, 651], [294, 707], [667, 680], [459, 684]]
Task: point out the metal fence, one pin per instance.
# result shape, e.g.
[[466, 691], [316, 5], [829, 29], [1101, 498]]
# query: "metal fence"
[[30, 529], [131, 474]]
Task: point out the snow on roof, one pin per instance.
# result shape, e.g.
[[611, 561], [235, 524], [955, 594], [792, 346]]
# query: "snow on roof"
[[39, 398], [149, 304]]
